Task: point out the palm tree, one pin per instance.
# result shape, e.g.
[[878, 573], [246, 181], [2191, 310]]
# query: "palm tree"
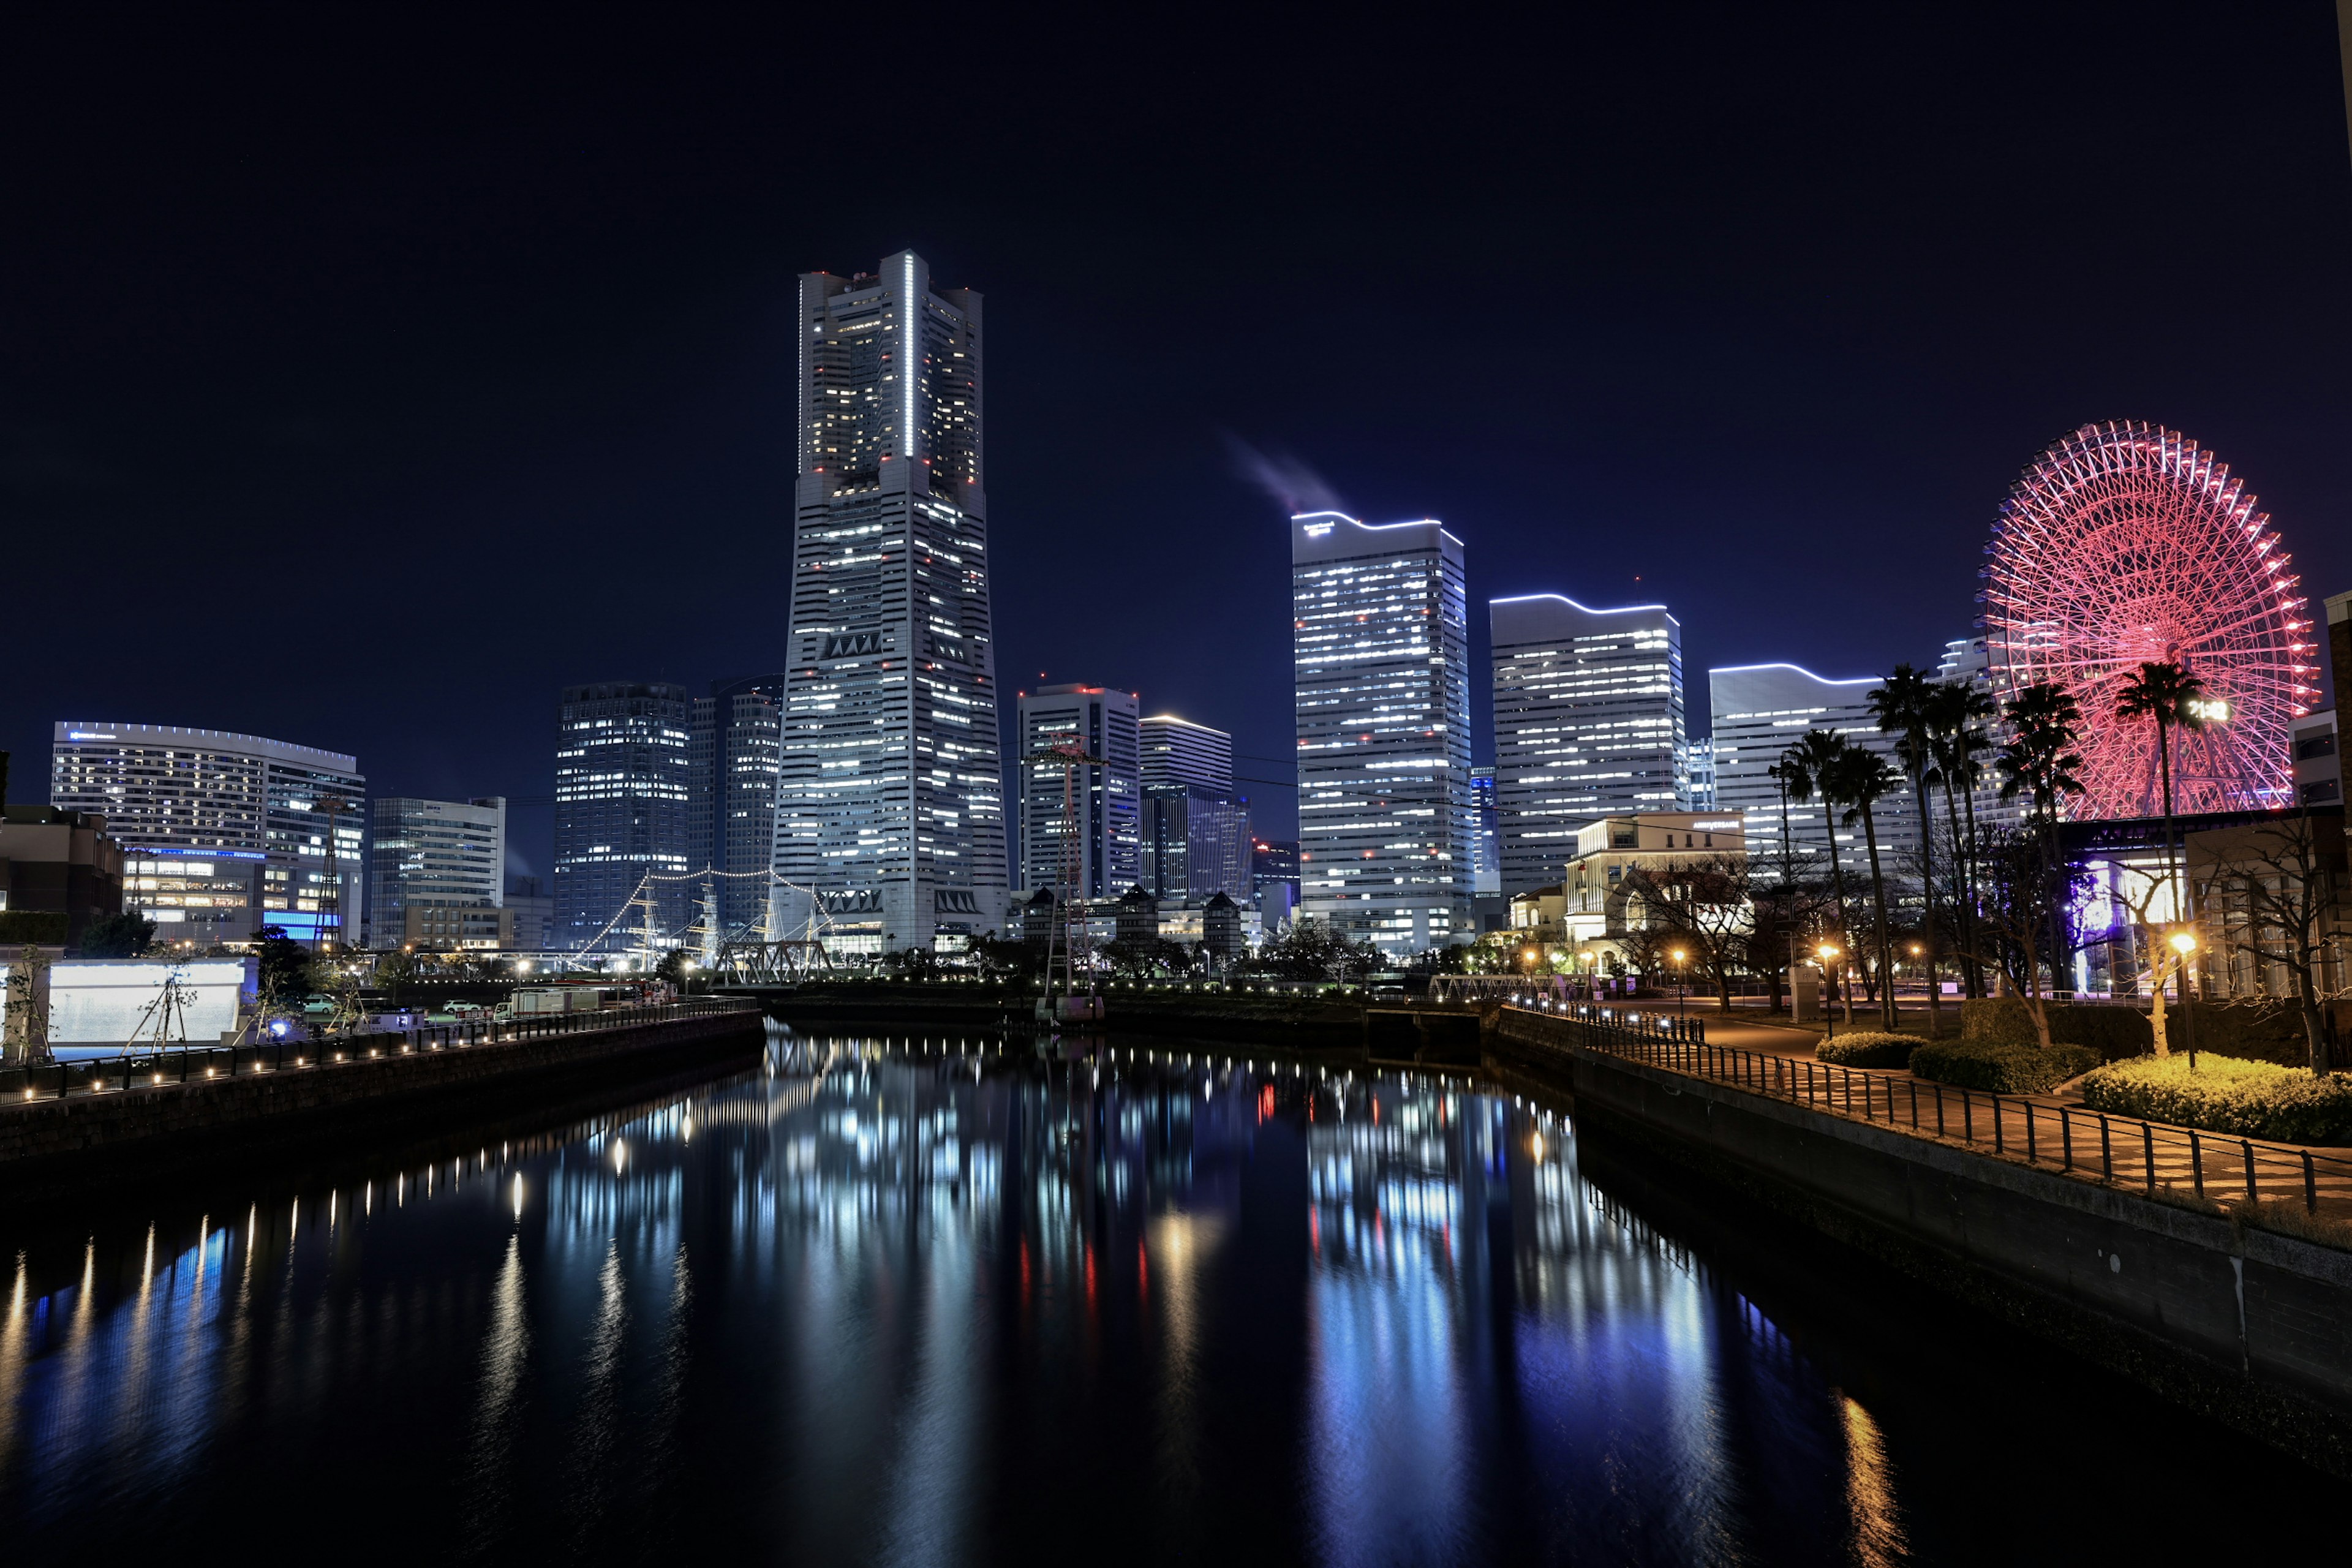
[[2040, 762], [2167, 692], [1903, 707], [1801, 767], [1954, 713], [1859, 778]]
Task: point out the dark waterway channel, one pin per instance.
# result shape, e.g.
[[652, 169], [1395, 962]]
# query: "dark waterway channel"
[[948, 1300]]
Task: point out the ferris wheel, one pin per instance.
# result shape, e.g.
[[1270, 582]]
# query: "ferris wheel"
[[2126, 544]]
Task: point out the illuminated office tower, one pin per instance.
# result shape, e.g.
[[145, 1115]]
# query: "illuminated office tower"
[[1383, 690], [624, 784], [889, 806], [1760, 710], [1587, 724], [731, 806], [1179, 751], [222, 834], [1105, 798]]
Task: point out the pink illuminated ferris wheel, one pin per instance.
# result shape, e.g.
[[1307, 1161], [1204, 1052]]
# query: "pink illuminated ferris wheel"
[[2127, 542]]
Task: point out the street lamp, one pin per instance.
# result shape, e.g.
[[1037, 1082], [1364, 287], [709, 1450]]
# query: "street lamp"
[[1682, 984], [1829, 1018]]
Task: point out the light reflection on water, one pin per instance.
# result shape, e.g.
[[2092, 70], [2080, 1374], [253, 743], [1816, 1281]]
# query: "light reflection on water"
[[943, 1301]]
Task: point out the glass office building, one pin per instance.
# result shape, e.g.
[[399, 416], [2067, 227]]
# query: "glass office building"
[[889, 803], [222, 833], [732, 749], [1587, 724], [1102, 800], [623, 782], [441, 856], [1381, 685]]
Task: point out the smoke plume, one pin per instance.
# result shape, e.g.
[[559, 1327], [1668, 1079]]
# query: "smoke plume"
[[1289, 483]]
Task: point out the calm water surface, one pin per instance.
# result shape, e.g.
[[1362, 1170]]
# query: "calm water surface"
[[934, 1302]]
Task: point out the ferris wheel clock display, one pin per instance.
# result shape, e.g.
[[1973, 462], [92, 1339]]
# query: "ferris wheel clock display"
[[2126, 544]]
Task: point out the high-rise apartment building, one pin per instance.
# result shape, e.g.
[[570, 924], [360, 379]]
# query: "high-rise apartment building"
[[1762, 710], [222, 834], [1382, 686], [1102, 800], [1587, 724], [427, 861], [733, 736], [624, 784], [889, 804], [1179, 751]]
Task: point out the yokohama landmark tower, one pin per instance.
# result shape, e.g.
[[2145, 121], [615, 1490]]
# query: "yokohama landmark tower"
[[889, 804]]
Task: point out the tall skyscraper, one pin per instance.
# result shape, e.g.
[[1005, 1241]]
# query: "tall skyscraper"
[[623, 784], [222, 834], [1382, 693], [438, 860], [1105, 798], [1760, 710], [1179, 751], [890, 803], [1587, 724], [734, 735]]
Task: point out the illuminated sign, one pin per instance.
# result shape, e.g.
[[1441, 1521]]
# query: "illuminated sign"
[[850, 645], [2213, 710], [1317, 529], [1734, 825], [87, 735]]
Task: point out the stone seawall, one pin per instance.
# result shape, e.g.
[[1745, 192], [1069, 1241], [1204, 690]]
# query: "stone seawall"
[[2247, 1325], [51, 1140]]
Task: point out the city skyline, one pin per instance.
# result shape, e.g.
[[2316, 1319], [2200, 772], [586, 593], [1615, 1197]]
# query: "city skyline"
[[1804, 473]]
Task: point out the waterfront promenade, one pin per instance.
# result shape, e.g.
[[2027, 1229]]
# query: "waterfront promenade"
[[92, 1116]]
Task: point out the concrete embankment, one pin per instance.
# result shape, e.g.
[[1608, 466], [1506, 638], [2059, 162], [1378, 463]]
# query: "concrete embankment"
[[2247, 1325], [48, 1144]]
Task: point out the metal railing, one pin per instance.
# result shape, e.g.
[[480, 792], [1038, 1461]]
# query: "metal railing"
[[198, 1065], [2120, 1151]]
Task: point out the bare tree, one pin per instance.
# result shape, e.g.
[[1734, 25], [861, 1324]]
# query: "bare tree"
[[2279, 886], [1704, 903], [2026, 890]]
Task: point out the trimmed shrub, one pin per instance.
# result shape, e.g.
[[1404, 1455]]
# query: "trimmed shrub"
[[1867, 1049], [2116, 1031], [2227, 1094], [2000, 1069]]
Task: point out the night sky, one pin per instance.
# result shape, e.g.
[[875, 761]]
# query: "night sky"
[[361, 386]]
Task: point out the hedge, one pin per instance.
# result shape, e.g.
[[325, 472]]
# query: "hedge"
[[45, 927], [1867, 1049], [2227, 1094], [2001, 1068], [2115, 1031]]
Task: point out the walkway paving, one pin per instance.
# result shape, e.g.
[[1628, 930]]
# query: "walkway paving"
[[2053, 1132]]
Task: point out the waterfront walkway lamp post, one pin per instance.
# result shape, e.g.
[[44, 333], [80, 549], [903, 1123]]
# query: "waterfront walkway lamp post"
[[2184, 943], [1829, 1019], [1682, 984]]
